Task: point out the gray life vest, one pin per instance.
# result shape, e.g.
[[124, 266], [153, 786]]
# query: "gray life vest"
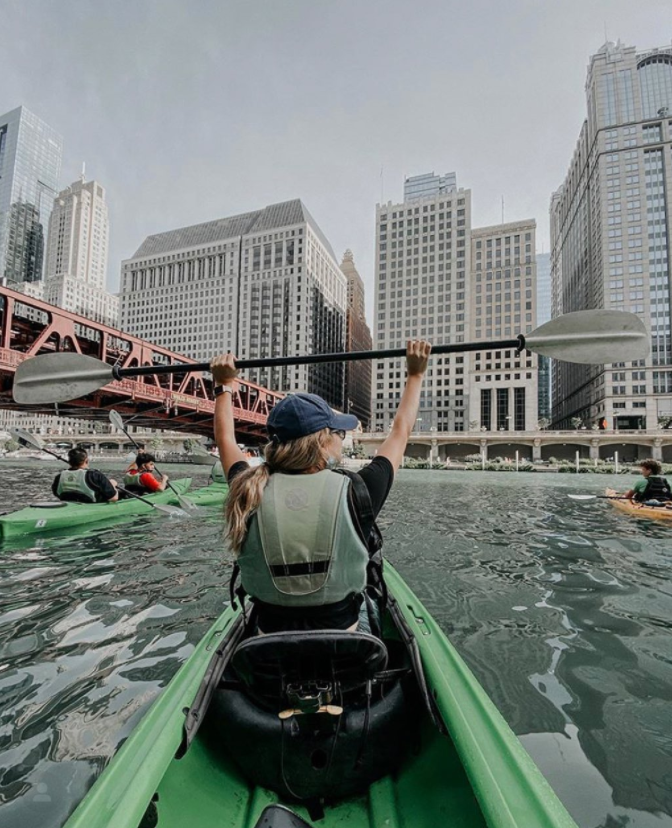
[[302, 548], [73, 482]]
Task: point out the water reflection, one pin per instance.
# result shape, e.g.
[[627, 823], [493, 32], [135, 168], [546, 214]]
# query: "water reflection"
[[562, 609]]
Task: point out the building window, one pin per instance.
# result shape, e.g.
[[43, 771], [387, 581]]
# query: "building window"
[[502, 409], [519, 409]]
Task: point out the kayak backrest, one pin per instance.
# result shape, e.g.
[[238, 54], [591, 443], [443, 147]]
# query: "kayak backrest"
[[272, 665]]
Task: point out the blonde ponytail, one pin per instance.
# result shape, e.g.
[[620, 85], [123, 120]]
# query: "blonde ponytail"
[[306, 454]]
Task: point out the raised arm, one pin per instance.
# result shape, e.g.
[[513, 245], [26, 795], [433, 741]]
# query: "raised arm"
[[224, 372], [417, 357]]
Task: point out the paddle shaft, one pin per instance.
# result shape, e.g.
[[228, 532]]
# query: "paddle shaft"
[[120, 488], [313, 359]]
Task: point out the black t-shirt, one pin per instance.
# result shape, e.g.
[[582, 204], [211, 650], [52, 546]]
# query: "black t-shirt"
[[378, 477], [97, 481]]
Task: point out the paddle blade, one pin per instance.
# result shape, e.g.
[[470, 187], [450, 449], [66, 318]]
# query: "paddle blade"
[[593, 337], [172, 511], [59, 377], [116, 420], [189, 507], [26, 439]]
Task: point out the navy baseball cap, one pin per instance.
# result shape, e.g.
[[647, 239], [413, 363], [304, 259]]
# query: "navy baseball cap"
[[298, 415]]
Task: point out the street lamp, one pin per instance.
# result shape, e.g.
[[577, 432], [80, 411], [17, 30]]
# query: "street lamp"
[[419, 420]]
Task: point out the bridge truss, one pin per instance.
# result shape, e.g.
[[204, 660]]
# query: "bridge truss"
[[180, 401]]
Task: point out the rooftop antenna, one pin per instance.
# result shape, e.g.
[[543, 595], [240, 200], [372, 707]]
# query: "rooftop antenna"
[[381, 184], [502, 209], [83, 175]]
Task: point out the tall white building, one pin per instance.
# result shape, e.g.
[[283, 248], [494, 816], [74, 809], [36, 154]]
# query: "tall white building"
[[610, 235], [423, 258], [503, 390], [76, 262], [260, 284], [437, 279]]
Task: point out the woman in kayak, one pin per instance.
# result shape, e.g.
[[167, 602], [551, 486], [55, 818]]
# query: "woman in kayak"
[[141, 477], [302, 535], [80, 484]]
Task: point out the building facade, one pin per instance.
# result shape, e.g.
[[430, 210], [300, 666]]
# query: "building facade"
[[30, 166], [610, 236], [438, 279], [423, 259], [545, 370], [77, 251], [260, 284], [357, 395], [503, 385]]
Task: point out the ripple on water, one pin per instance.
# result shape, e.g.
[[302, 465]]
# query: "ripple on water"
[[561, 608]]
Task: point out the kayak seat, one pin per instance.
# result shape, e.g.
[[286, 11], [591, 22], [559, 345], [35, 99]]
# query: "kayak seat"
[[277, 665], [316, 714]]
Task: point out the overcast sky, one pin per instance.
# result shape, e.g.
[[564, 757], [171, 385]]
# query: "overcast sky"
[[190, 111]]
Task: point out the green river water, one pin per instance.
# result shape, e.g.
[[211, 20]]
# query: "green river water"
[[562, 609]]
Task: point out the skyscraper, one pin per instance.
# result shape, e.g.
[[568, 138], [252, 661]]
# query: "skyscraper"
[[259, 284], [76, 266], [503, 391], [423, 256], [357, 338], [544, 315], [30, 165], [610, 235], [438, 279]]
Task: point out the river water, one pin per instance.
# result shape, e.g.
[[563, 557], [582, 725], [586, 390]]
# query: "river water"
[[562, 609]]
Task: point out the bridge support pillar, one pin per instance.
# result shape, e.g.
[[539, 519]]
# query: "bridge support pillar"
[[484, 449], [434, 452], [536, 449], [657, 450], [594, 452]]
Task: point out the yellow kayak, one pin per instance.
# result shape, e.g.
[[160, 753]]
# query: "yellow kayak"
[[639, 509]]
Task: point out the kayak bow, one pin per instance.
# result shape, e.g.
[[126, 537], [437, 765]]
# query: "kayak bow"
[[478, 775], [57, 514]]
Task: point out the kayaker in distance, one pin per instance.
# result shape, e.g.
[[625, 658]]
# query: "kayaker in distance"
[[652, 487], [141, 477], [80, 484], [303, 536]]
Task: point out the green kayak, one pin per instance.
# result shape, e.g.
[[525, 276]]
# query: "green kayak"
[[53, 515], [329, 727], [210, 495]]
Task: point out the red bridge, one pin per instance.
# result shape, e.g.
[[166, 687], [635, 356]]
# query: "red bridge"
[[29, 327]]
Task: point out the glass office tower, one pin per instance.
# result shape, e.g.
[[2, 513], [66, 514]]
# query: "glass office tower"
[[30, 165], [611, 222]]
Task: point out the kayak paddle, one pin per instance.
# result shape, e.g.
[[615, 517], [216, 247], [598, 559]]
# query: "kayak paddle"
[[27, 439], [185, 503], [598, 497], [589, 337]]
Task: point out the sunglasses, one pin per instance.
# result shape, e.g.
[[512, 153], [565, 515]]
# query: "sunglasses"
[[339, 432]]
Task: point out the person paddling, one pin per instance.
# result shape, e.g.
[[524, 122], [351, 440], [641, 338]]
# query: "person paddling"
[[302, 535], [653, 489], [142, 478], [80, 484]]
